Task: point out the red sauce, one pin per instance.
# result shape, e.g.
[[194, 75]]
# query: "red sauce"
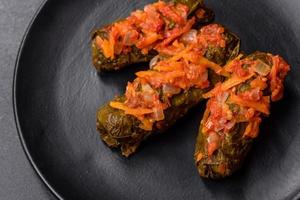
[[186, 69], [243, 101], [158, 22]]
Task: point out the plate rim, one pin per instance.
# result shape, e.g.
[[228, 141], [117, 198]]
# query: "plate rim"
[[24, 145]]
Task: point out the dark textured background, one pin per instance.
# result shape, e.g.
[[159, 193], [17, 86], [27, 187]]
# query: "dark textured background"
[[18, 180]]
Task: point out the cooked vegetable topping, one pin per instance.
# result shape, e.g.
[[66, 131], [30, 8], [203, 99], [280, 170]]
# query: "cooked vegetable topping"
[[149, 94], [157, 98], [242, 98], [234, 112], [277, 75], [137, 38], [159, 23]]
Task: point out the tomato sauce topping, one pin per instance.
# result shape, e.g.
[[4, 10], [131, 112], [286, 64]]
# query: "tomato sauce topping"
[[149, 94], [157, 23], [242, 98]]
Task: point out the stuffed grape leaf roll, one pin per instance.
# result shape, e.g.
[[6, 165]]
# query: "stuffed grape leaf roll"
[[235, 110], [139, 37]]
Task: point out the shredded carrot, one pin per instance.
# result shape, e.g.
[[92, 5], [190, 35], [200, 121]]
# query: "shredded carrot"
[[248, 129], [165, 68], [181, 54], [199, 157], [233, 81], [229, 65], [201, 60], [130, 111], [169, 66], [187, 68], [183, 30], [178, 45], [215, 67], [149, 39], [229, 104], [204, 118], [112, 41], [146, 124], [149, 73], [259, 106], [157, 79], [252, 128], [143, 28], [107, 50], [212, 147]]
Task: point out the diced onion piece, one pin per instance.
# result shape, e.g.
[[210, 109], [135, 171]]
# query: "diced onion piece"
[[146, 88], [148, 97], [213, 142], [262, 68], [213, 66], [170, 90], [189, 37], [154, 61], [158, 114], [148, 93], [229, 125], [222, 97]]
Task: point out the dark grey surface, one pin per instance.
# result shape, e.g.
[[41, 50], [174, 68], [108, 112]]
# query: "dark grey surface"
[[58, 93], [18, 181]]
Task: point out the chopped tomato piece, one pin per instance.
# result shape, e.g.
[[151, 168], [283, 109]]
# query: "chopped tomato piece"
[[213, 35], [222, 168], [200, 13], [259, 83], [279, 70], [146, 28]]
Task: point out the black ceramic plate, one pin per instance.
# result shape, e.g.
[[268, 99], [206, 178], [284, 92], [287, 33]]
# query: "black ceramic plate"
[[57, 93]]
